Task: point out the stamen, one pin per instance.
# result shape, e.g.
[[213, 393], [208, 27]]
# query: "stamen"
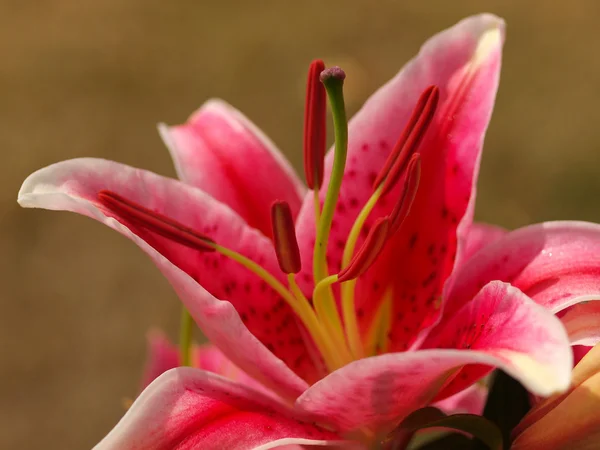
[[284, 236], [411, 184], [315, 115], [177, 232], [368, 252], [155, 222], [358, 265], [409, 140]]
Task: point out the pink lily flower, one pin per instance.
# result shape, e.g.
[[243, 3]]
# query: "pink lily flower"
[[372, 345]]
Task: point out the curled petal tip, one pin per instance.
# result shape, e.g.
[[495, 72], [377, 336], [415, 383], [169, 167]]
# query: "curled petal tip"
[[490, 39]]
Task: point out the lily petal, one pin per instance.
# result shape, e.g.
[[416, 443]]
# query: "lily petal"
[[502, 321], [221, 152], [188, 408], [518, 336], [557, 264], [582, 322], [211, 359], [73, 186], [579, 351], [588, 367], [468, 401], [464, 62], [573, 423], [163, 356], [479, 236]]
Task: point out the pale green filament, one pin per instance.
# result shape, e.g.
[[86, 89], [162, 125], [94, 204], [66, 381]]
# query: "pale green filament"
[[185, 337], [327, 311], [377, 336], [335, 95], [322, 339], [297, 302], [348, 288]]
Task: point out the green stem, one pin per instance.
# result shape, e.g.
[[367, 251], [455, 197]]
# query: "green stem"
[[185, 337]]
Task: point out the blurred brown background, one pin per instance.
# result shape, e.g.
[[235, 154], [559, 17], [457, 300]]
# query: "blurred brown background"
[[92, 78]]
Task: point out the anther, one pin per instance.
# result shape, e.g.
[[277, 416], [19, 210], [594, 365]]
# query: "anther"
[[284, 236], [368, 252], [155, 222], [315, 124], [411, 184], [409, 140]]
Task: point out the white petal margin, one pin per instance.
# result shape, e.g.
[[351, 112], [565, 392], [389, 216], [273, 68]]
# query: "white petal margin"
[[582, 322]]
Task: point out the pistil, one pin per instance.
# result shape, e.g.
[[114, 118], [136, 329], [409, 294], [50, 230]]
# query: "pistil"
[[333, 80]]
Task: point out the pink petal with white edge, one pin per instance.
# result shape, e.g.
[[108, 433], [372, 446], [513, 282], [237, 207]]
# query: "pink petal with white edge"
[[582, 322], [501, 320], [72, 186], [221, 152], [188, 408], [557, 264], [464, 62], [518, 336], [468, 401], [479, 236]]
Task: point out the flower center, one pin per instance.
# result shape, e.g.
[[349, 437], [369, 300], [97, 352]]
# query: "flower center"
[[337, 337]]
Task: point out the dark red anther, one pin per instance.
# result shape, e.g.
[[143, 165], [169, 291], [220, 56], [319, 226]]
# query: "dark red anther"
[[315, 126], [369, 251], [411, 184], [284, 237], [155, 222], [409, 140]]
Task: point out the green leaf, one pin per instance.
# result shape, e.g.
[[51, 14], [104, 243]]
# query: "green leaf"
[[452, 441], [431, 417], [507, 404]]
